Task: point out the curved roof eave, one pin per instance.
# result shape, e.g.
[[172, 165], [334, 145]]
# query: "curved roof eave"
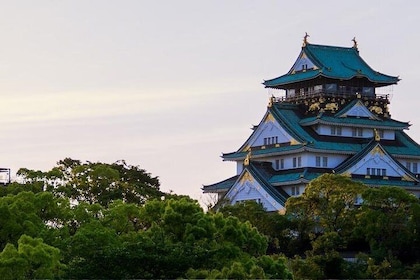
[[272, 84], [397, 125]]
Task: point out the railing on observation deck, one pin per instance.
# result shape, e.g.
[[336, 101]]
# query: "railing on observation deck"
[[322, 93]]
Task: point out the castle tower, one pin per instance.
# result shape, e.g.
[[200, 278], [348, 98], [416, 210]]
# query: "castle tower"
[[327, 118]]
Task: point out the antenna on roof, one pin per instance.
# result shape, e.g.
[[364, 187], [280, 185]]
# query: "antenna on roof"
[[305, 39]]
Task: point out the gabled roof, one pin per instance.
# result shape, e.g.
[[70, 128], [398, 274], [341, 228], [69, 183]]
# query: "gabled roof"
[[261, 173], [331, 62], [356, 108], [295, 123], [374, 147], [288, 135]]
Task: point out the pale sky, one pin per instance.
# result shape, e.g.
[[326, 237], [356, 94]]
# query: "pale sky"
[[171, 85]]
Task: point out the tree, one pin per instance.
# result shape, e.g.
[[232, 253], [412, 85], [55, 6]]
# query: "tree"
[[95, 182], [274, 226], [326, 216], [390, 222], [32, 259], [164, 239], [328, 205], [24, 213]]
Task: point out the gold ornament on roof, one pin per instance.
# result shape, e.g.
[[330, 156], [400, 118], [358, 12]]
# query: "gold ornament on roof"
[[377, 136], [354, 43], [248, 158], [271, 101], [305, 39]]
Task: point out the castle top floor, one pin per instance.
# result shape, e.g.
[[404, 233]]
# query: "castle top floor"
[[330, 71]]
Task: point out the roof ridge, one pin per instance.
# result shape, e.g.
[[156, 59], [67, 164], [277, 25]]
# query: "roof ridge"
[[286, 124], [329, 46], [357, 156], [267, 186]]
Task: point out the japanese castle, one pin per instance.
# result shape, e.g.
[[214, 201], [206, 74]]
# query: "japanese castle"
[[328, 118]]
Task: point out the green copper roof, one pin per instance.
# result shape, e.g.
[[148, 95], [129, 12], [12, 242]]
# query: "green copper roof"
[[354, 121], [295, 175], [220, 186], [290, 118], [381, 182], [406, 147], [262, 171], [335, 63]]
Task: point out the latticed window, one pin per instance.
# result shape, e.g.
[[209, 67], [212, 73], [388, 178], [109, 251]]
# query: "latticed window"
[[335, 130], [357, 132]]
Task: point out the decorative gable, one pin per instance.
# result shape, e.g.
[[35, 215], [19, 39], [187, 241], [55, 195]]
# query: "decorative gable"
[[358, 110], [248, 188], [303, 63], [269, 132], [377, 162]]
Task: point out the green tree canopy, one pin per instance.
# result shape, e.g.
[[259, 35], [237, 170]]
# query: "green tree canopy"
[[95, 182], [32, 259], [390, 222]]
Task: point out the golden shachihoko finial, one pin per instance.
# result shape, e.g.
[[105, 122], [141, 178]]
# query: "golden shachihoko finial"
[[305, 39], [354, 43]]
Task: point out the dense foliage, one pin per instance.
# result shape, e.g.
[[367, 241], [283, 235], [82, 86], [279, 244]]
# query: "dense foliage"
[[339, 228], [96, 220]]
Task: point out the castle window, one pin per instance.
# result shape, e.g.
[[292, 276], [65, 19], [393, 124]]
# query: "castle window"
[[297, 162], [376, 171], [331, 88], [357, 132], [335, 130], [412, 166], [271, 140], [318, 88], [279, 164], [318, 161], [368, 91], [291, 92]]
